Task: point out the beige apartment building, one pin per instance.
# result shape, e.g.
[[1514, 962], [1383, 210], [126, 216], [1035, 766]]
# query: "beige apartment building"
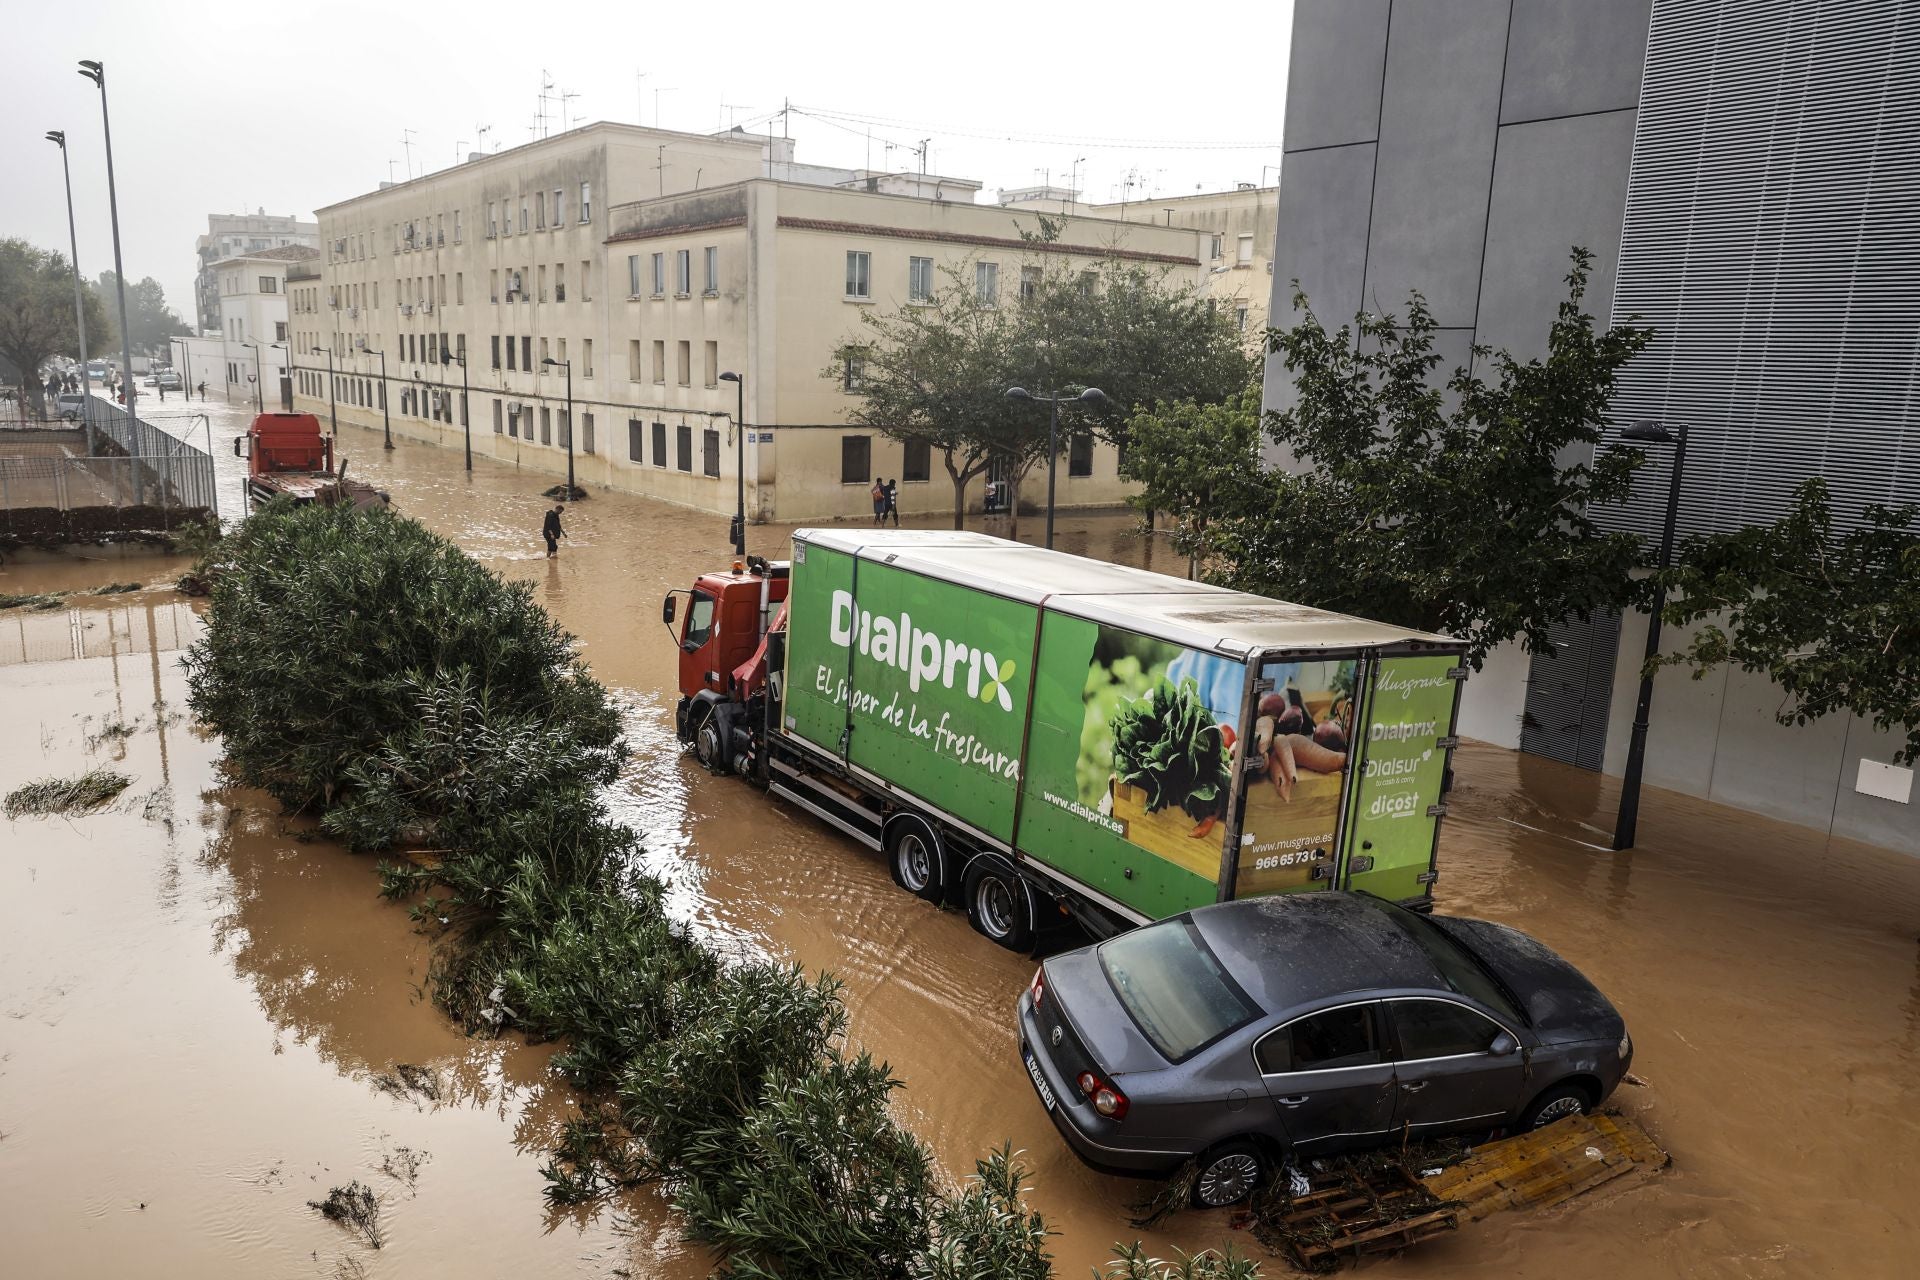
[[1237, 234], [650, 263]]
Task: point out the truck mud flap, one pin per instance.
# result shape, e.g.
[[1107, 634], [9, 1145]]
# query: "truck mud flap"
[[827, 805]]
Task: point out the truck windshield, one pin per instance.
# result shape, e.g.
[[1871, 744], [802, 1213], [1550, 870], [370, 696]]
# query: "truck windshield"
[[1174, 988], [699, 620]]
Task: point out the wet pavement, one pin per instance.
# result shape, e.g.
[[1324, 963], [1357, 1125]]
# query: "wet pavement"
[[193, 1007]]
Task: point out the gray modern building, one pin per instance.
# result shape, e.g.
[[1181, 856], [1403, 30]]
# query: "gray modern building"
[[1747, 176]]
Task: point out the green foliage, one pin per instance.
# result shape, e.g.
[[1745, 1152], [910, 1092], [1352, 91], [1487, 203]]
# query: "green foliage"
[[1832, 618], [63, 796], [986, 1232], [1449, 507], [1169, 746], [150, 321], [938, 371], [1131, 1262], [36, 314], [1192, 459]]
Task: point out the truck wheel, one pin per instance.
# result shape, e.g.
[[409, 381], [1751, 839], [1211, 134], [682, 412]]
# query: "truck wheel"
[[918, 863], [998, 904], [707, 746]]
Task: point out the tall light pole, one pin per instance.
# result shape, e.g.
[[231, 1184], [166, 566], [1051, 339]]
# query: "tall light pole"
[[259, 405], [1626, 826], [97, 72], [59, 139], [1092, 395], [739, 461], [568, 366], [333, 414], [466, 424], [386, 415]]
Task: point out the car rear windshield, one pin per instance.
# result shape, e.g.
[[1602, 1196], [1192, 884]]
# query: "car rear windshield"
[[1174, 988]]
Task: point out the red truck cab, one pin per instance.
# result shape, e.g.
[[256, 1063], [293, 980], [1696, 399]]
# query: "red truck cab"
[[723, 652], [289, 456]]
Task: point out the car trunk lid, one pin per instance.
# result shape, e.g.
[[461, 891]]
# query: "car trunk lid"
[[1096, 1032]]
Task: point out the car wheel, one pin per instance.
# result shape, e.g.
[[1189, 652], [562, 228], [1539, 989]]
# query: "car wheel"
[[1555, 1104], [918, 865], [707, 745], [1228, 1174], [997, 904]]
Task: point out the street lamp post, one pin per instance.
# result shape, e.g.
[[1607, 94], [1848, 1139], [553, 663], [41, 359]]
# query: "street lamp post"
[[568, 366], [59, 139], [259, 405], [333, 415], [97, 72], [1092, 395], [386, 414], [1627, 824], [466, 424], [739, 462]]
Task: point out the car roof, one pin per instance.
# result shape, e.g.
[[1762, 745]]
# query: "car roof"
[[1302, 948]]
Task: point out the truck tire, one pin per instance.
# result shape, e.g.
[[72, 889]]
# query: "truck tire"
[[707, 746], [999, 904], [917, 858]]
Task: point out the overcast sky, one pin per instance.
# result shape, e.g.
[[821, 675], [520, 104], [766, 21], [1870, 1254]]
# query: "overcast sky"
[[222, 108]]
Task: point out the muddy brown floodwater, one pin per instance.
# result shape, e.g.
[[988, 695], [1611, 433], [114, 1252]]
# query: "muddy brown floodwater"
[[200, 1004]]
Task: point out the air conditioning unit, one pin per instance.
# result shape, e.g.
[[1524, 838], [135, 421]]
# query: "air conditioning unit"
[[426, 306], [406, 308], [353, 313], [359, 344]]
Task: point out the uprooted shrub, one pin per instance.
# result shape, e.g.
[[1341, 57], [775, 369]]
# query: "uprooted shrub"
[[367, 672]]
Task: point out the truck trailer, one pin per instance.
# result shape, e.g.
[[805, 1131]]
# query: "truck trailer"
[[1031, 735]]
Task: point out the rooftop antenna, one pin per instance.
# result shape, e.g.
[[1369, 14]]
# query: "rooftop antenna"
[[406, 141], [1073, 184], [458, 147], [565, 98], [640, 98], [390, 163], [922, 152], [482, 130], [546, 90]]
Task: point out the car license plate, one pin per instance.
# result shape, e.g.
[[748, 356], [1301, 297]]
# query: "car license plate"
[[1039, 1081]]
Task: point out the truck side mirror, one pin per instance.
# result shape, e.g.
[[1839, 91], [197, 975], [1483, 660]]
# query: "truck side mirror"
[[667, 608], [240, 447]]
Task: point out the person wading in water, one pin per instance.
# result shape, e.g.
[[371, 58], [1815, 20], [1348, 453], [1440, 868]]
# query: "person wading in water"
[[552, 531]]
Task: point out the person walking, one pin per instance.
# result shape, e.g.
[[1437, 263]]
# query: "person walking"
[[879, 495], [552, 531], [893, 501], [202, 389]]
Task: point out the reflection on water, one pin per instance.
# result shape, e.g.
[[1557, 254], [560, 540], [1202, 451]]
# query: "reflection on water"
[[1771, 978]]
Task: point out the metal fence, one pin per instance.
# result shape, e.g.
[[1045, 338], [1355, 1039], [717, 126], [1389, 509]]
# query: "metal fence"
[[113, 474]]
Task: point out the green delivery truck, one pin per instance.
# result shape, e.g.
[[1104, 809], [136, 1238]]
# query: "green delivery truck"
[[1032, 734]]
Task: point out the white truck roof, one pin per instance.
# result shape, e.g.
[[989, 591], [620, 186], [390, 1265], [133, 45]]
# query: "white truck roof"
[[1195, 614]]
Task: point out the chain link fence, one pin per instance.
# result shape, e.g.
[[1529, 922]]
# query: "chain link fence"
[[111, 475]]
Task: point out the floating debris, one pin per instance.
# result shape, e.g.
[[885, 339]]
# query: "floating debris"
[[354, 1207], [66, 795], [116, 588], [43, 600]]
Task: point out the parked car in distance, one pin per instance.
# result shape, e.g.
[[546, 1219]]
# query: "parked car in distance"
[[167, 380], [1244, 1032], [70, 405]]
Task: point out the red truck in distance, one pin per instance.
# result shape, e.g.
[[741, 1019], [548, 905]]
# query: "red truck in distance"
[[289, 456]]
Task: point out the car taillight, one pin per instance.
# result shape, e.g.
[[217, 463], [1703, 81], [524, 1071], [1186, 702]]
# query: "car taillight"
[[1105, 1097], [1038, 987]]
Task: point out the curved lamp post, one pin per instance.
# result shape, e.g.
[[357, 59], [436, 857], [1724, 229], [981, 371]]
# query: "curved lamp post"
[[1626, 826], [1092, 395], [739, 461]]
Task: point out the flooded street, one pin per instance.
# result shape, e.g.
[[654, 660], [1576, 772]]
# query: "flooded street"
[[201, 1005]]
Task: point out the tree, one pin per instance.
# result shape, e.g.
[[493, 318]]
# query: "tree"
[[36, 314], [150, 321], [1834, 620], [1194, 459], [1449, 508], [937, 370]]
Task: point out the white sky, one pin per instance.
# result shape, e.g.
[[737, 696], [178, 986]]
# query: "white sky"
[[221, 107]]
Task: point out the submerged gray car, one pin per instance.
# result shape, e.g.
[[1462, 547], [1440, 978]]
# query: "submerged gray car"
[[1310, 1023]]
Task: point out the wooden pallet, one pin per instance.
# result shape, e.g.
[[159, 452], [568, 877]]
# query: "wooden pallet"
[[1549, 1166], [1380, 1210]]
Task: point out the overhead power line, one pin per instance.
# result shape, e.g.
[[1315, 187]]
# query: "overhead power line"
[[1036, 139]]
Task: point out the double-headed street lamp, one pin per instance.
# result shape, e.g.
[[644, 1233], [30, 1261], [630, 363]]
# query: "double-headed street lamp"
[[386, 415], [739, 462], [447, 357], [259, 404], [568, 432], [97, 72], [59, 139], [333, 416], [1626, 825], [1090, 396]]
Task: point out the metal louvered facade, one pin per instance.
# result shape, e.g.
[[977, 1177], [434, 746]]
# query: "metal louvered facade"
[[1772, 243]]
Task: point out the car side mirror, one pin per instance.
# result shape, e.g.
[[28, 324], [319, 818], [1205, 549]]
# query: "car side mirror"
[[667, 608], [1503, 1046]]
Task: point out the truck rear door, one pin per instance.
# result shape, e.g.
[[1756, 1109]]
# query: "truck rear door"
[[1392, 827]]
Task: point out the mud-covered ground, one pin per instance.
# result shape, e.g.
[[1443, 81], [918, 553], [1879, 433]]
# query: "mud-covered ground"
[[204, 1012]]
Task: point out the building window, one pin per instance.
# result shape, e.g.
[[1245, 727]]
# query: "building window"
[[986, 283], [683, 448], [633, 441], [559, 215], [920, 280], [496, 356], [1080, 454], [660, 445], [526, 353], [279, 331], [1029, 283], [1244, 256], [456, 226], [916, 462], [633, 275], [633, 360], [853, 370], [713, 363], [546, 353], [459, 289], [586, 280], [586, 358], [269, 285], [586, 433], [859, 268], [513, 420], [566, 430], [559, 282], [1240, 319], [659, 275], [510, 346], [498, 426], [712, 256], [525, 224], [684, 353], [856, 465], [493, 227], [659, 360], [1219, 246], [683, 272], [710, 452], [540, 213], [586, 202], [546, 425], [493, 285]]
